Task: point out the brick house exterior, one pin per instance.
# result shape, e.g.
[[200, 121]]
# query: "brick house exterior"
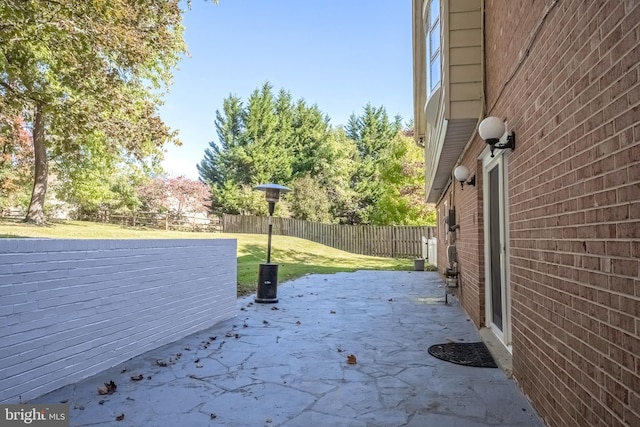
[[548, 240]]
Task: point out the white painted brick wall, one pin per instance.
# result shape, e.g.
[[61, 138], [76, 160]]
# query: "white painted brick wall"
[[72, 308]]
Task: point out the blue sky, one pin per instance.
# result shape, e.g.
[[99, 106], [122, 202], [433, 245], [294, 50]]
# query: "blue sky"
[[338, 54]]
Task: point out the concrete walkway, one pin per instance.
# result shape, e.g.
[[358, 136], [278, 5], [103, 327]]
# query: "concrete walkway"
[[285, 364]]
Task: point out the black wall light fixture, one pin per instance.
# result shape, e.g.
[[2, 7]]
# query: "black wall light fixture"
[[491, 130], [462, 173]]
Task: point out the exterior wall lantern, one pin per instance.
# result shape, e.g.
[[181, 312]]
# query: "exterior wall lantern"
[[491, 130], [462, 173], [267, 291]]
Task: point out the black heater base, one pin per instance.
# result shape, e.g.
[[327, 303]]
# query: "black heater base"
[[267, 284]]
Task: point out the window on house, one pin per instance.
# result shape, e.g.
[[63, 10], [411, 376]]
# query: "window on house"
[[433, 46]]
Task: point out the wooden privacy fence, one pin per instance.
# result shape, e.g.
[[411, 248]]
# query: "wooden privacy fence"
[[162, 221], [385, 241]]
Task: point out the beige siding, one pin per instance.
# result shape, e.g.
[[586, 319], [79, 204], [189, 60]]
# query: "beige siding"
[[465, 37], [463, 6], [464, 108], [465, 92], [464, 20]]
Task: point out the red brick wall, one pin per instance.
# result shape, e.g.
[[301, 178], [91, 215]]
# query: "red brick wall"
[[467, 203], [573, 97], [470, 243]]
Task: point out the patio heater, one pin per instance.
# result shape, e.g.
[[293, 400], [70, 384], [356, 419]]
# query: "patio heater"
[[267, 291]]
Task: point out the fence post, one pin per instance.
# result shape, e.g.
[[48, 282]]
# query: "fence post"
[[393, 241]]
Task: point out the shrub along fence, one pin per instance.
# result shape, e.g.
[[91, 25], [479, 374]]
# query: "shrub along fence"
[[385, 241]]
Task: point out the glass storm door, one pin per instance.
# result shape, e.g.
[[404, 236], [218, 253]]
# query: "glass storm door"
[[495, 249], [497, 294]]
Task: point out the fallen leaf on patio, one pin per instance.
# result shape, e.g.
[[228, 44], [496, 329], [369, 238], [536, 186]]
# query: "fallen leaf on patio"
[[131, 399], [228, 334], [120, 417], [64, 401], [212, 338], [107, 388], [390, 299], [187, 349], [332, 312], [245, 325], [137, 377], [179, 355], [213, 416], [101, 402], [237, 336], [340, 350], [125, 369], [161, 363], [274, 308], [266, 322], [298, 322], [198, 365], [78, 407], [351, 359], [449, 340], [197, 360]]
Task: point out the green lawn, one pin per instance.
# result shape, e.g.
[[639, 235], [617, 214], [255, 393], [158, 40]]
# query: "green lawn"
[[296, 257]]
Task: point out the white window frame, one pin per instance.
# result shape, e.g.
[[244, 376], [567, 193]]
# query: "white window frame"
[[433, 25]]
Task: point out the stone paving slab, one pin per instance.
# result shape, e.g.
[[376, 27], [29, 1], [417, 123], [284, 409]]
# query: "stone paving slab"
[[285, 365]]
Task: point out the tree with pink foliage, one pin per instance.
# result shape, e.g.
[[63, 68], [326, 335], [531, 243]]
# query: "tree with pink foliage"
[[175, 195]]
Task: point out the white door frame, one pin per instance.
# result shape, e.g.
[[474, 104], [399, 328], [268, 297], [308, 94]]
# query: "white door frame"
[[488, 164]]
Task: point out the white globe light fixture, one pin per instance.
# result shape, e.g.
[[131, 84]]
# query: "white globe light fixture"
[[461, 174], [491, 130]]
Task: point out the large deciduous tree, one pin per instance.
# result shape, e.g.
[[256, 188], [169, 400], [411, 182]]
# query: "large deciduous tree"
[[402, 200], [91, 67]]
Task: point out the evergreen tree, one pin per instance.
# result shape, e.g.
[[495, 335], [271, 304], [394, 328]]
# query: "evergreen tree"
[[365, 173], [267, 157], [372, 133], [216, 166], [270, 139]]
